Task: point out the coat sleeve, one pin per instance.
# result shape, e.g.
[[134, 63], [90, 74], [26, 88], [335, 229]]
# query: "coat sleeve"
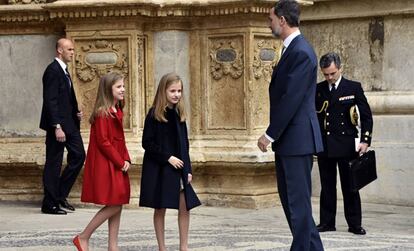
[[365, 115], [297, 83], [187, 148], [149, 142], [104, 142], [51, 96]]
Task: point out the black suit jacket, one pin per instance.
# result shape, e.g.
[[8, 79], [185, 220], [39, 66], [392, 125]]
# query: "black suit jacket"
[[293, 123], [59, 101], [334, 116]]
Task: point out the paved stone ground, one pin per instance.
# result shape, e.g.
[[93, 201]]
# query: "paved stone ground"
[[23, 227]]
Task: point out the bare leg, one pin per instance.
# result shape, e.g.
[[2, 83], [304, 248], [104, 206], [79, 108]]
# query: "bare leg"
[[113, 230], [183, 223], [100, 217], [159, 225]]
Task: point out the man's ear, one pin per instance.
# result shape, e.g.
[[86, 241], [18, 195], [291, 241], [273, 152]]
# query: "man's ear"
[[282, 20]]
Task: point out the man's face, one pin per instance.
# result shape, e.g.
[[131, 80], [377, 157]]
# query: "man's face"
[[274, 23], [66, 51], [331, 73]]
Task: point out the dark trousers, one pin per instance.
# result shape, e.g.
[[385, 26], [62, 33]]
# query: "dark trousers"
[[352, 201], [57, 185], [294, 186]]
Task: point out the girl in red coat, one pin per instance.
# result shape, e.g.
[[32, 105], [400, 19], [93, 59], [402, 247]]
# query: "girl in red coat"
[[105, 178], [166, 169]]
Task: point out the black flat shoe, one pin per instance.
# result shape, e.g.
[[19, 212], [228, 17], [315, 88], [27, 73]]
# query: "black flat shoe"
[[357, 230], [53, 210], [325, 228], [65, 204]]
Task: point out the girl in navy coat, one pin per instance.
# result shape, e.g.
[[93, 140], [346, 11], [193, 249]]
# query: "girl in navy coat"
[[166, 170]]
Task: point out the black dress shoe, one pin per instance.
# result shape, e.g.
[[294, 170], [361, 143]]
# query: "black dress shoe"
[[65, 204], [53, 210], [325, 228], [357, 230]]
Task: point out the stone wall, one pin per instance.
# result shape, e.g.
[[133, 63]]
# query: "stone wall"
[[225, 53], [374, 41]]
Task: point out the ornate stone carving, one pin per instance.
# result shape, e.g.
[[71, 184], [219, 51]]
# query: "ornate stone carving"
[[265, 58], [225, 83], [27, 1], [226, 58], [99, 58], [94, 59]]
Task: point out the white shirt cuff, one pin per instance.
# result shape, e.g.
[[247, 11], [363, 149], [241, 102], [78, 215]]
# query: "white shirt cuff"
[[269, 138]]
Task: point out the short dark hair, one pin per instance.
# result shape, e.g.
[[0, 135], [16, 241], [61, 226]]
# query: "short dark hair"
[[290, 10], [327, 59]]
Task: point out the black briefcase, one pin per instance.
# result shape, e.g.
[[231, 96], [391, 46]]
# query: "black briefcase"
[[363, 170]]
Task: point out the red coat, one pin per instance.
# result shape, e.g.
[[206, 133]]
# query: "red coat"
[[103, 180]]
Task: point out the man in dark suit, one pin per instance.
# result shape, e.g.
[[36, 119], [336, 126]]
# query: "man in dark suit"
[[294, 129], [337, 99], [61, 120]]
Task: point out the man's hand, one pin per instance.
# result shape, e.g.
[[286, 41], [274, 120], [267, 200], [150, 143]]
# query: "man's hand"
[[190, 178], [262, 143], [176, 162], [362, 148], [60, 135], [80, 115]]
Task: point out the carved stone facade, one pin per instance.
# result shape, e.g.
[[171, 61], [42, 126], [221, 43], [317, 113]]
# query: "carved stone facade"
[[225, 54], [27, 1]]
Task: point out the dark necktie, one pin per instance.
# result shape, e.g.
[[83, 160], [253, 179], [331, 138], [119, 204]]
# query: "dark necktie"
[[68, 77], [283, 51], [333, 89]]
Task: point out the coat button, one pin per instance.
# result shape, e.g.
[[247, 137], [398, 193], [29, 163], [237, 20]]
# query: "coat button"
[[327, 114], [328, 133], [342, 114], [327, 123], [342, 123], [343, 133]]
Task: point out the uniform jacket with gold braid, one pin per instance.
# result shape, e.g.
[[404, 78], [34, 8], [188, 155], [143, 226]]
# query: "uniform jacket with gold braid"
[[338, 118]]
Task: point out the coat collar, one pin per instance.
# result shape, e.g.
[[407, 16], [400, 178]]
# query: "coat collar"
[[339, 91], [286, 54]]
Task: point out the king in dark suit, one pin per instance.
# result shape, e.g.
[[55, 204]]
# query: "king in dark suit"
[[294, 129], [61, 120], [337, 101]]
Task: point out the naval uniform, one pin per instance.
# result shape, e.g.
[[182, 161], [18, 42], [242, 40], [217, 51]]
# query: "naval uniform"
[[338, 119]]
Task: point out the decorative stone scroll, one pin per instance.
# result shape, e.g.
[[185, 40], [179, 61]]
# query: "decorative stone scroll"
[[94, 58], [226, 58], [99, 58], [265, 58], [27, 1]]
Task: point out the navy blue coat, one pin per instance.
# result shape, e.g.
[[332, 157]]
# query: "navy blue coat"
[[160, 181], [293, 122]]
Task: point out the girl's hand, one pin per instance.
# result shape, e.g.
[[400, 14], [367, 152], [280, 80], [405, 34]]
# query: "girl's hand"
[[176, 162], [126, 166], [190, 178]]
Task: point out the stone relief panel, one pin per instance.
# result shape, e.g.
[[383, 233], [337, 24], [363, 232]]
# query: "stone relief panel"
[[139, 101], [225, 85], [266, 54], [28, 1], [94, 58]]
